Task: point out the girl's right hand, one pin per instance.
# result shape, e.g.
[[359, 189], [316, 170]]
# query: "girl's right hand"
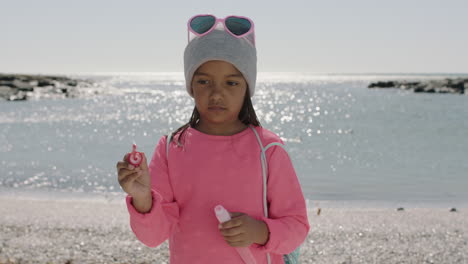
[[134, 181]]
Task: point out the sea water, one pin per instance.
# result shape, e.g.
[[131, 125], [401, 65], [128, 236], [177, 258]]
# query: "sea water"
[[348, 144]]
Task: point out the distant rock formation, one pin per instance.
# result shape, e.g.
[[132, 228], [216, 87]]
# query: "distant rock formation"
[[457, 86], [18, 87]]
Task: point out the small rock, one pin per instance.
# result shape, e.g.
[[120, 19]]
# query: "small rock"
[[6, 91], [43, 83], [382, 85], [19, 96], [400, 209], [23, 86], [453, 209]]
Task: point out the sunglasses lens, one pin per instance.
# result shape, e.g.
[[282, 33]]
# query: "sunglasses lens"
[[238, 26], [202, 24]]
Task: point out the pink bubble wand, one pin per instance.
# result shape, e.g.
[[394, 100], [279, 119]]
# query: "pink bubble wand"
[[223, 215], [135, 158]]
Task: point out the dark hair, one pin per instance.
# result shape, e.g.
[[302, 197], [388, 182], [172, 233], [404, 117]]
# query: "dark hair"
[[247, 116]]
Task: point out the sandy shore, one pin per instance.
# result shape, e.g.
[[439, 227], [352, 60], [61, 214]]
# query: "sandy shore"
[[93, 231]]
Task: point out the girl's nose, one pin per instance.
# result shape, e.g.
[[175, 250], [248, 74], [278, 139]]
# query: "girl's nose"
[[216, 90], [216, 86]]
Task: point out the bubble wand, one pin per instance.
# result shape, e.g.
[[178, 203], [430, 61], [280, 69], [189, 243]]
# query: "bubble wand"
[[135, 158], [223, 215]]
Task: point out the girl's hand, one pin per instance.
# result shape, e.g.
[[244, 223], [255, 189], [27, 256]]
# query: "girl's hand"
[[134, 181], [243, 230]]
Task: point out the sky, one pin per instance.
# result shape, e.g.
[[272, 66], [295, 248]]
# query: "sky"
[[362, 36]]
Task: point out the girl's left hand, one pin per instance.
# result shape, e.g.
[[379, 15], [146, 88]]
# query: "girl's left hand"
[[243, 230]]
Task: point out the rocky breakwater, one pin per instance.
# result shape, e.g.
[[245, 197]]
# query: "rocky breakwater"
[[456, 86], [18, 87]]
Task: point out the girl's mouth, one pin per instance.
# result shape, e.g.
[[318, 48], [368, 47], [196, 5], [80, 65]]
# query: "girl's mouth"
[[216, 108]]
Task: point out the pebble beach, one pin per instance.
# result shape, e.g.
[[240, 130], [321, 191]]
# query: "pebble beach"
[[97, 231]]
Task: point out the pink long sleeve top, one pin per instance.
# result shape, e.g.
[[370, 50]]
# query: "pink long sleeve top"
[[210, 170]]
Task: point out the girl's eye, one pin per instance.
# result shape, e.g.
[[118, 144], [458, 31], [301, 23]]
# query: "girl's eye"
[[202, 81], [233, 83]]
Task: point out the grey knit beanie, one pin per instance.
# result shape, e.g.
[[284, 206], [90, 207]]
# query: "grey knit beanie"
[[220, 45]]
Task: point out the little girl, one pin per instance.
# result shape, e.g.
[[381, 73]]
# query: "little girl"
[[215, 159]]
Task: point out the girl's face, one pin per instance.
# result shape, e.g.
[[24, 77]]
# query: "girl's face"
[[219, 90]]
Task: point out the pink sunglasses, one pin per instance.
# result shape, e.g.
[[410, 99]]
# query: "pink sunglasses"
[[237, 26]]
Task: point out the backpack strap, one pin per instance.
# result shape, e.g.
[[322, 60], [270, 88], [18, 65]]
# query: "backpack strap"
[[264, 172], [264, 166], [168, 142]]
